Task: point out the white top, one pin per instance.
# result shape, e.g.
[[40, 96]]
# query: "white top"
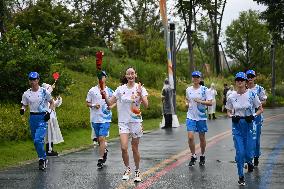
[[102, 114], [243, 104], [127, 100], [229, 92], [37, 101], [260, 91], [197, 111], [213, 93]]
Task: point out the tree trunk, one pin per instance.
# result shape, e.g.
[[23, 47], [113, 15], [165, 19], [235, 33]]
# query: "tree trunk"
[[190, 50]]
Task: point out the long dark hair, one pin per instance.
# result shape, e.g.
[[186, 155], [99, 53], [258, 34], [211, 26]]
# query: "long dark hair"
[[123, 79]]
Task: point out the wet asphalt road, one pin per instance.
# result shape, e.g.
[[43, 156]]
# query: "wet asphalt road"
[[164, 159]]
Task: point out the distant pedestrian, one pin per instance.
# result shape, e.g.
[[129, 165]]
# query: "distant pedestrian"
[[197, 97], [260, 91], [226, 88], [37, 98], [212, 109], [53, 135], [230, 91], [130, 96], [100, 116], [167, 100], [241, 107]]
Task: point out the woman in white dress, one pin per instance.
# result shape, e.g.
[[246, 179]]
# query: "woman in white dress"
[[212, 109], [53, 135]]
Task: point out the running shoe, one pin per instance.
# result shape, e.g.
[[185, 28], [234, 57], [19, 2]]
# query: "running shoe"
[[100, 164], [250, 167], [42, 164], [52, 153], [192, 161], [105, 155], [202, 160], [137, 176], [126, 174], [255, 161], [242, 181]]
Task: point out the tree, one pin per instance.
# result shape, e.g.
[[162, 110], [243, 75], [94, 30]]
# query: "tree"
[[248, 41], [274, 15], [142, 15], [70, 29], [215, 10], [186, 11], [106, 16], [20, 54]]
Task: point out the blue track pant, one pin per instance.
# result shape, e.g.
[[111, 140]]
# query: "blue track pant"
[[258, 122], [38, 130], [244, 143]]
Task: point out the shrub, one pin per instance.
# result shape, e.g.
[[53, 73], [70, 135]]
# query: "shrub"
[[19, 55], [279, 91], [274, 101]]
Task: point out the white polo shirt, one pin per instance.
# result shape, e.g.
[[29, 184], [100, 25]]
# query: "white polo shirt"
[[197, 111], [37, 101]]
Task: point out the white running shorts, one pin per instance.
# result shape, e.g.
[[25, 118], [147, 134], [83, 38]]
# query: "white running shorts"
[[134, 129]]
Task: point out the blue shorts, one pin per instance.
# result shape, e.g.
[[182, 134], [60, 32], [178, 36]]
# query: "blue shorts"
[[101, 129], [196, 126]]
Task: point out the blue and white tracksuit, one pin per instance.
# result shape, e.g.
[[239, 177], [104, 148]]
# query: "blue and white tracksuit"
[[38, 103], [260, 91], [243, 105]]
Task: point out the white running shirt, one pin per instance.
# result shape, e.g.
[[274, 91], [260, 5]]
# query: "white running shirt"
[[197, 111], [37, 101], [127, 99], [243, 104], [101, 115]]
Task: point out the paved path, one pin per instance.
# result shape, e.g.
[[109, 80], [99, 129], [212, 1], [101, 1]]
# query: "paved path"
[[165, 156]]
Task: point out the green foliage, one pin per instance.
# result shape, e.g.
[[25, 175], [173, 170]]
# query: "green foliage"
[[248, 41], [274, 15], [142, 15], [274, 101], [107, 16], [19, 55], [74, 54], [47, 17], [63, 83], [12, 127], [155, 48], [279, 91]]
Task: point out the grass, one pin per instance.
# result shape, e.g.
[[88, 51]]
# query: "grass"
[[15, 153]]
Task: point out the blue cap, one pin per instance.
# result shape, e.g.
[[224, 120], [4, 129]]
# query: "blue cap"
[[33, 75], [104, 73], [241, 75], [251, 72], [196, 73]]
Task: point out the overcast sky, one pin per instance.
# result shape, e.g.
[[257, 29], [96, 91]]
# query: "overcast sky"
[[234, 7], [232, 11]]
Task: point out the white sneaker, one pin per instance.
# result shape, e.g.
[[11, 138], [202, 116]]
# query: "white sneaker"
[[126, 174], [137, 176]]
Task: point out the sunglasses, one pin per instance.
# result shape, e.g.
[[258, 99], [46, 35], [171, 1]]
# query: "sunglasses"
[[239, 79], [195, 76], [250, 76], [32, 79]]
